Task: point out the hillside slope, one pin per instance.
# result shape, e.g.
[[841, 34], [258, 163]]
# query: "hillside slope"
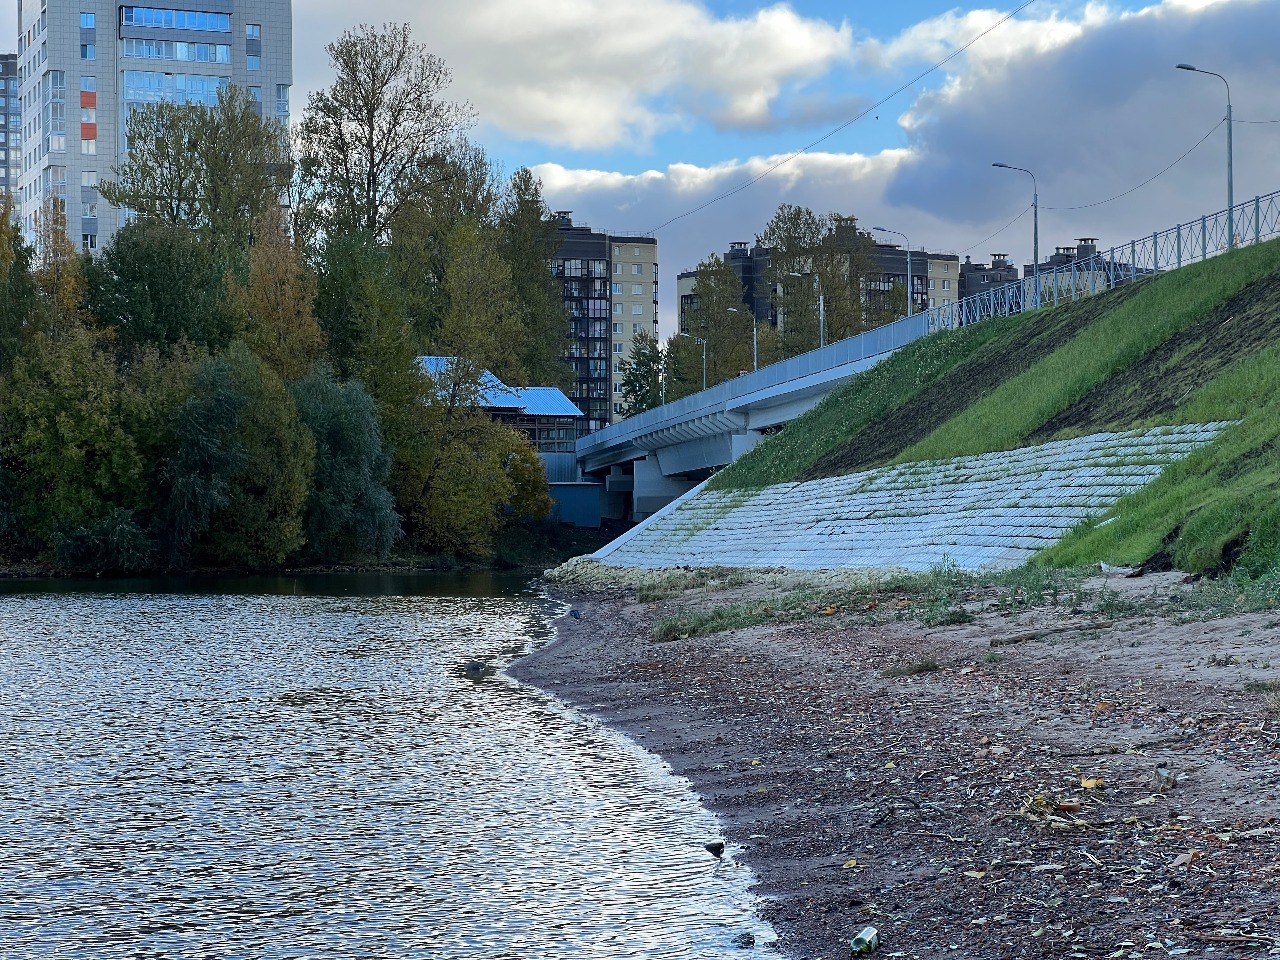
[[1198, 345]]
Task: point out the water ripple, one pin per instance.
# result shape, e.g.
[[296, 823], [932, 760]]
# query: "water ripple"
[[292, 776]]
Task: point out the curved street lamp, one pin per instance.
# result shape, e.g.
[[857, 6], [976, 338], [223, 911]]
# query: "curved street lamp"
[[1231, 193], [1035, 224]]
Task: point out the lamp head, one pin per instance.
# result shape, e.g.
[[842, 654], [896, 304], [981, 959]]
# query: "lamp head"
[[1002, 166], [879, 229], [1187, 66]]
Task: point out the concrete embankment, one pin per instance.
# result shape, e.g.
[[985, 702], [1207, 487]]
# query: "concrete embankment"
[[992, 511]]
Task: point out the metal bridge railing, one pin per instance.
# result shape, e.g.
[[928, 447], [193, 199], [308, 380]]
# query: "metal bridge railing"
[[1256, 220]]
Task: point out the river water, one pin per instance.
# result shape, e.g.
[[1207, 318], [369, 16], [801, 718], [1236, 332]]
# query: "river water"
[[306, 768]]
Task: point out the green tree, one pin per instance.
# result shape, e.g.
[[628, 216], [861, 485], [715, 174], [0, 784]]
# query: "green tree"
[[793, 234], [241, 469], [64, 436], [350, 514], [19, 302], [642, 375], [368, 140], [459, 185], [157, 284], [529, 241], [722, 318], [218, 170], [483, 324]]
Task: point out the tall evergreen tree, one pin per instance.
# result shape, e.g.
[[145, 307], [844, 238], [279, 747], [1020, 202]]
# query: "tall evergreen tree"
[[642, 375]]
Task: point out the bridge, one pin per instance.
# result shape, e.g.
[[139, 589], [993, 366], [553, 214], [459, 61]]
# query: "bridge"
[[655, 456], [648, 460]]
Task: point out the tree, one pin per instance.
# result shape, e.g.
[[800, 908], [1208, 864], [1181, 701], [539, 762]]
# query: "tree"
[[642, 374], [64, 435], [350, 514], [793, 234], [529, 241], [241, 469], [275, 307], [18, 298], [368, 140], [722, 318], [157, 284], [218, 170], [59, 267], [460, 185], [483, 322]]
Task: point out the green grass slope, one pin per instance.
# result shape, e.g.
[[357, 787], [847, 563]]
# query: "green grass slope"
[[1196, 345]]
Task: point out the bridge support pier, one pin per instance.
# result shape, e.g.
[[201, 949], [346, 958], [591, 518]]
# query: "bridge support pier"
[[653, 490]]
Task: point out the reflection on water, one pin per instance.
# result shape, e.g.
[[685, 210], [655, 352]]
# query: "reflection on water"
[[305, 768]]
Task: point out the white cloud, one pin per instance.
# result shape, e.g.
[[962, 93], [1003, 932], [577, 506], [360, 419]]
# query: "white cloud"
[[1094, 111], [604, 73]]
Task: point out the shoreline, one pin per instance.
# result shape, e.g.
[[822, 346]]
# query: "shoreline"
[[1031, 785]]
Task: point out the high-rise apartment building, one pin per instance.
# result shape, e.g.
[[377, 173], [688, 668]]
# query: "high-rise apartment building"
[[10, 123], [611, 293], [83, 65]]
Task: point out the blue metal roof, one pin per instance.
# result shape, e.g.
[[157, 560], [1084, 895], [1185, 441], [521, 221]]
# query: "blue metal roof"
[[546, 402], [536, 401]]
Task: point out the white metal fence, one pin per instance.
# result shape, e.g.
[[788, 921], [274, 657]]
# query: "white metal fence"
[[1255, 220]]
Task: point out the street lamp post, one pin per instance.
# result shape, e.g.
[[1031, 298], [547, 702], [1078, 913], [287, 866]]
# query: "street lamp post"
[[1231, 192], [822, 311], [907, 244], [704, 356], [1035, 225]]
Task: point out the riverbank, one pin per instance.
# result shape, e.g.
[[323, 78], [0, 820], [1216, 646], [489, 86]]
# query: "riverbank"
[[1084, 769], [520, 550]]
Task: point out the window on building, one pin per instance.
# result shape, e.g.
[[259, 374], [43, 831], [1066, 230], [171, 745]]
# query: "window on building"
[[930, 266], [89, 147], [88, 21], [617, 251], [617, 328], [635, 251], [637, 289], [617, 288], [617, 388], [88, 51], [617, 309], [89, 209], [617, 269], [256, 94], [636, 328], [636, 269], [88, 115], [88, 241], [88, 178], [617, 408], [88, 84], [252, 62], [253, 31], [282, 99], [637, 309], [175, 19], [931, 283], [617, 348]]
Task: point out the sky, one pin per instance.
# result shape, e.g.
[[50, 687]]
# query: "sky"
[[635, 113]]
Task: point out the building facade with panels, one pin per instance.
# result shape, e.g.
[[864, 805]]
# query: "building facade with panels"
[[610, 289], [10, 124], [84, 65]]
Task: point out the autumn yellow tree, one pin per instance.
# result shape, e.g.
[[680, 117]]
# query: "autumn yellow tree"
[[276, 304], [59, 267]]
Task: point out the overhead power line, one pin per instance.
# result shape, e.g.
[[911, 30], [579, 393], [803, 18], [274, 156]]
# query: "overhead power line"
[[852, 120], [984, 241], [1098, 203]]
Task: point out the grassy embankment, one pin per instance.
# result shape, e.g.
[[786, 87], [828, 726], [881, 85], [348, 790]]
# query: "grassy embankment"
[[1197, 345]]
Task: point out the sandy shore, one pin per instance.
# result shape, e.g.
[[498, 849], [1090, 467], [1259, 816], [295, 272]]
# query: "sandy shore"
[[1041, 783]]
